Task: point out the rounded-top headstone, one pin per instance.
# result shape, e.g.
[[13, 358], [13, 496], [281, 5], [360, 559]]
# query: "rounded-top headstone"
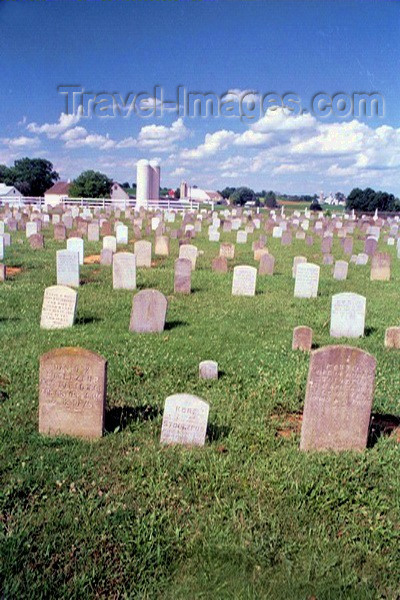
[[208, 369], [149, 310]]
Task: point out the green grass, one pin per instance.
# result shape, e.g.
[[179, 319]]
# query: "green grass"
[[247, 516]]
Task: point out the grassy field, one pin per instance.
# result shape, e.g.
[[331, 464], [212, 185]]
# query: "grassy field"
[[246, 517]]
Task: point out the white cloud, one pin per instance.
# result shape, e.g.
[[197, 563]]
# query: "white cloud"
[[178, 172], [157, 137], [74, 134], [53, 130], [21, 142], [92, 140], [213, 142], [280, 120]]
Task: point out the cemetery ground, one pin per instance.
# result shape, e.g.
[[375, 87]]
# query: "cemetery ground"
[[246, 516]]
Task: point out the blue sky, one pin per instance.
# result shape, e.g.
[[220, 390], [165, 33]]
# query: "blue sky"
[[122, 46]]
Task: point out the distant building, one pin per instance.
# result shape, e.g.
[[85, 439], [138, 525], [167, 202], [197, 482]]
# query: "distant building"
[[8, 193], [118, 192], [199, 195], [337, 199], [57, 193]]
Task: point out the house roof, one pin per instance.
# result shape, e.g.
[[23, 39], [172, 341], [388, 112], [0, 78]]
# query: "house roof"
[[7, 190], [61, 187]]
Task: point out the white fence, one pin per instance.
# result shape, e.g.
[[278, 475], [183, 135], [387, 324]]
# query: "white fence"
[[163, 203]]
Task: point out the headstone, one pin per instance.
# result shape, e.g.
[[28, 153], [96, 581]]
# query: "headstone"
[[220, 264], [59, 307], [380, 267], [31, 228], [143, 253], [267, 265], [183, 274], [370, 246], [302, 338], [190, 252], [72, 393], [339, 397], [110, 243], [3, 272], [227, 250], [244, 281], [75, 244], [124, 271], [307, 279], [93, 232], [60, 232], [106, 257], [208, 369], [67, 268], [149, 309], [298, 260], [392, 337], [161, 247], [362, 259], [348, 315], [340, 271], [121, 234], [241, 237], [36, 241], [185, 420]]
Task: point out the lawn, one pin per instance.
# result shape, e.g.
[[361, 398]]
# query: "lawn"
[[246, 517]]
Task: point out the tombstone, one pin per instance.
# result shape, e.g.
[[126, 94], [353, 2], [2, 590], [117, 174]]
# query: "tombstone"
[[143, 253], [362, 259], [6, 239], [286, 238], [161, 247], [302, 338], [307, 279], [185, 420], [124, 271], [327, 259], [59, 307], [244, 281], [213, 236], [93, 232], [220, 264], [227, 250], [298, 260], [348, 245], [60, 232], [241, 237], [36, 241], [267, 265], [370, 246], [326, 245], [190, 252], [208, 369], [67, 268], [309, 240], [105, 229], [72, 393], [340, 270], [121, 234], [392, 337], [380, 267], [149, 309], [106, 257], [347, 315], [75, 244], [277, 232], [182, 277], [339, 397], [31, 228], [110, 243], [3, 272]]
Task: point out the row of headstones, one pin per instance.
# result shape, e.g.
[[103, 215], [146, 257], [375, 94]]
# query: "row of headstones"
[[336, 416]]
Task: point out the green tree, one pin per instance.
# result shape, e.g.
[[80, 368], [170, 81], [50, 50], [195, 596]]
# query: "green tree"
[[369, 200], [90, 184], [270, 199], [227, 192], [242, 195], [31, 176], [177, 193], [315, 205]]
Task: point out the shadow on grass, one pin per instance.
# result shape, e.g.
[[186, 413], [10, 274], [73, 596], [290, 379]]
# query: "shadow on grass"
[[381, 425], [315, 346], [87, 320], [173, 324], [122, 416], [217, 432], [369, 331]]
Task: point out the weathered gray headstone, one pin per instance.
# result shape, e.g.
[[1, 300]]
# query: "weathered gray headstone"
[[302, 338], [143, 253], [124, 271], [339, 397], [72, 393], [208, 369], [183, 275], [149, 309], [67, 268]]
